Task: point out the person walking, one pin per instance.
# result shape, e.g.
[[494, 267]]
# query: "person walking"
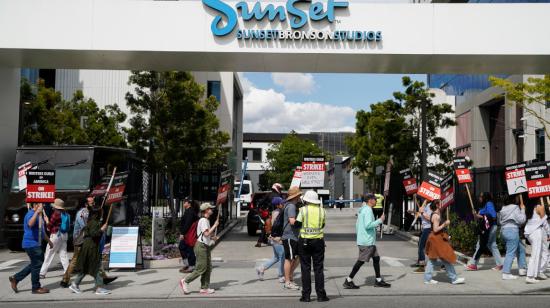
[[512, 218], [311, 243], [205, 239], [366, 241], [425, 214], [33, 232], [265, 207], [487, 218], [276, 242], [190, 216], [438, 250], [290, 237], [535, 231], [59, 227], [88, 262]]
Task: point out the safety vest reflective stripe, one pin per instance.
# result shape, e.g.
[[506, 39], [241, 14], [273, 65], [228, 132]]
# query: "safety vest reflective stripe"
[[314, 228]]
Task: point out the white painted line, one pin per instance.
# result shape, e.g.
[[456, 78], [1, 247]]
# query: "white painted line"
[[393, 262], [9, 264]]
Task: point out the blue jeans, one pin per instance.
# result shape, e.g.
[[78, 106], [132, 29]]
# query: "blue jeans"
[[422, 244], [278, 256], [514, 248], [449, 268], [36, 255], [491, 243]]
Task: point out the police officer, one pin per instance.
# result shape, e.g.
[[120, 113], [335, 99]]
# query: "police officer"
[[311, 245]]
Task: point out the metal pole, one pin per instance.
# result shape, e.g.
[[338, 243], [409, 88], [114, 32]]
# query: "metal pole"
[[424, 153]]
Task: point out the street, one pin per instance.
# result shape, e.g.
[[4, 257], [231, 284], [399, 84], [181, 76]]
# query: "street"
[[236, 283]]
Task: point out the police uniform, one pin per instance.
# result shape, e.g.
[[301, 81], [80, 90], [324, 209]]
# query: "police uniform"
[[311, 245]]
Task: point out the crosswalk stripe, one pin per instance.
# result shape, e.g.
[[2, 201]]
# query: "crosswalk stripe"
[[9, 264]]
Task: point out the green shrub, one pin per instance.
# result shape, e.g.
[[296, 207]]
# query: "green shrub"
[[463, 235], [146, 229]]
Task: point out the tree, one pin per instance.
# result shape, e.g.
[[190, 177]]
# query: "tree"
[[174, 127], [532, 96], [284, 157], [391, 129], [50, 120]]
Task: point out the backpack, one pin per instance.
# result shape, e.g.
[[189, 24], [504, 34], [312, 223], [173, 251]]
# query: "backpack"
[[191, 237], [65, 223], [278, 225]]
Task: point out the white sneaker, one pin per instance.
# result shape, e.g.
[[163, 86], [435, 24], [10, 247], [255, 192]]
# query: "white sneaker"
[[522, 272], [260, 273], [509, 277], [542, 276], [531, 280], [291, 286], [184, 287], [431, 282], [282, 280], [459, 281], [206, 291], [102, 291], [73, 287]]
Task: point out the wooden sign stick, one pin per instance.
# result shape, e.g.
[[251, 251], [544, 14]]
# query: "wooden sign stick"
[[107, 195], [470, 198]]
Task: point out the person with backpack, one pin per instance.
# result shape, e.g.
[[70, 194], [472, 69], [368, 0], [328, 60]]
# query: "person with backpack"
[[264, 213], [276, 243], [58, 225], [206, 237], [512, 218], [188, 228], [487, 228]]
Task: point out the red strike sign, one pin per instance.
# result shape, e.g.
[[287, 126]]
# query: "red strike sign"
[[410, 186], [463, 176], [40, 186], [538, 183], [429, 192]]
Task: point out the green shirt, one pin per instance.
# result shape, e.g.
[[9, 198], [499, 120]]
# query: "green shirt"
[[366, 226]]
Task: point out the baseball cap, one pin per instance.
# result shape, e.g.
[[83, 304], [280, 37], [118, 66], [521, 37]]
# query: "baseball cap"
[[369, 196]]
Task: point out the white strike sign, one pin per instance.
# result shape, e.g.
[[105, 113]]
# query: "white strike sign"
[[515, 178], [313, 172], [297, 178], [21, 173]]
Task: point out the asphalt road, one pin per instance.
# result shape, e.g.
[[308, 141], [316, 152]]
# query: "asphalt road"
[[348, 302]]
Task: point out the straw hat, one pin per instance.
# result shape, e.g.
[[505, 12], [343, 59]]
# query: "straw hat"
[[293, 192], [58, 204]]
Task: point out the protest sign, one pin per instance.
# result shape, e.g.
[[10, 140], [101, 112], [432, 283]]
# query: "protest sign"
[[387, 178], [313, 172], [116, 191], [22, 175], [461, 170], [40, 186], [431, 189], [516, 181], [297, 177], [538, 183], [447, 191], [409, 182], [224, 187]]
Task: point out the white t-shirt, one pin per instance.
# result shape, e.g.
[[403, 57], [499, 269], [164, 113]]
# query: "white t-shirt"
[[203, 225]]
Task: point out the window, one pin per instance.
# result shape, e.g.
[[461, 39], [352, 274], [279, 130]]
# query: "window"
[[254, 155], [539, 144], [214, 89]]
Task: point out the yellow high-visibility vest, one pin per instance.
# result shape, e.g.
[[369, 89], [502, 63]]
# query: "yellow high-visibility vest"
[[312, 217], [379, 201]]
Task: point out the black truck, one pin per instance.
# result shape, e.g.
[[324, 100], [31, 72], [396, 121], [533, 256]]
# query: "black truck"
[[78, 170]]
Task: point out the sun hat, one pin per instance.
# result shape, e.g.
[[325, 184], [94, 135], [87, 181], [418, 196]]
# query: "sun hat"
[[206, 206], [311, 197], [293, 192], [58, 204]]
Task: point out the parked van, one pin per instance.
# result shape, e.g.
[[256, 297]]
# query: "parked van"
[[246, 193]]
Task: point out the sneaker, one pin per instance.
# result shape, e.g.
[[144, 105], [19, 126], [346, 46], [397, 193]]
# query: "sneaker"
[[459, 281], [431, 282], [509, 277], [522, 272], [291, 286], [73, 287], [542, 276], [471, 267], [184, 287], [381, 284], [282, 280], [419, 270], [102, 291], [531, 280], [350, 285], [207, 291], [260, 273], [497, 268]]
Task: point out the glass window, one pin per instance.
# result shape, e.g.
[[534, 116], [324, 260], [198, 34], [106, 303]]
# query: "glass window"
[[539, 144], [245, 189], [214, 89], [253, 155]]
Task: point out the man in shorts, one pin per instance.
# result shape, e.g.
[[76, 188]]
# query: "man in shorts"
[[290, 237], [366, 240]]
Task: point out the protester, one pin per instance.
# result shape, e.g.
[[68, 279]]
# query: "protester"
[[206, 238], [89, 259], [487, 222], [81, 219], [366, 241], [58, 227], [512, 218], [290, 237], [536, 232], [276, 242], [312, 220], [439, 250], [425, 213], [33, 232], [264, 209], [190, 216]]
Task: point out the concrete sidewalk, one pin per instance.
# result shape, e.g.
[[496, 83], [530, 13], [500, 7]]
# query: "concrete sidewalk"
[[235, 277]]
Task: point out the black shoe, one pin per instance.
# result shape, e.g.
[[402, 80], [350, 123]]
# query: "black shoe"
[[350, 285], [382, 284], [64, 284], [323, 299], [305, 299], [108, 280]]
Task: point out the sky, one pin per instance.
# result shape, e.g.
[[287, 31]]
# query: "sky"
[[304, 102]]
